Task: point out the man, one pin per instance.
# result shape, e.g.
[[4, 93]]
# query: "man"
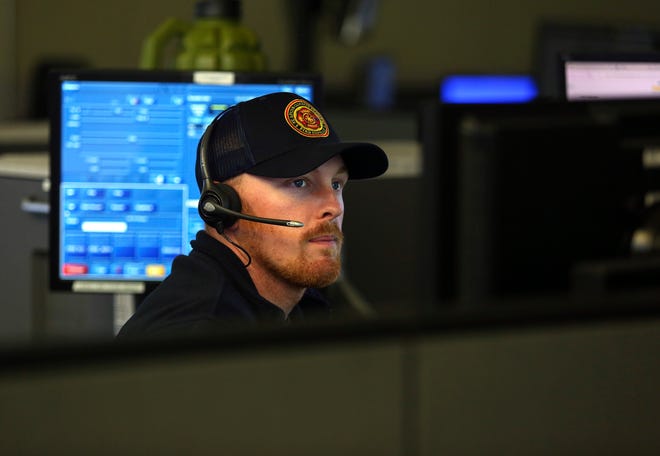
[[271, 172]]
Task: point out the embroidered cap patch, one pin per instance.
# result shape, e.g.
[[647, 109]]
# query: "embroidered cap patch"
[[305, 119]]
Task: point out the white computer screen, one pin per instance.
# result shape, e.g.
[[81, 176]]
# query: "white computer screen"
[[589, 80]]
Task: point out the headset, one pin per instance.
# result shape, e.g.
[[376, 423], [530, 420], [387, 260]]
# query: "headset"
[[219, 204]]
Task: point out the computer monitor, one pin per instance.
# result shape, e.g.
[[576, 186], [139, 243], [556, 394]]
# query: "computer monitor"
[[610, 76], [519, 197], [554, 38], [487, 88], [123, 198]]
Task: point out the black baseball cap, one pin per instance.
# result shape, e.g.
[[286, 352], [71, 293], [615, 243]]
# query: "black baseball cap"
[[279, 135]]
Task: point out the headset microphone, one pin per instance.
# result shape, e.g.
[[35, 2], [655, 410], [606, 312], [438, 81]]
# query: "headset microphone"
[[211, 208]]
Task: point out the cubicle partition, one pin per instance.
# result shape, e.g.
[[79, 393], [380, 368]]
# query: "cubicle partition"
[[579, 382]]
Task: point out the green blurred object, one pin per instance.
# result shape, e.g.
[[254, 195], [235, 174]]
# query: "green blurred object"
[[215, 40]]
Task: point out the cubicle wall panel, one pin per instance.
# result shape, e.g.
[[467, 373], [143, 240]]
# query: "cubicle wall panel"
[[321, 400], [572, 389]]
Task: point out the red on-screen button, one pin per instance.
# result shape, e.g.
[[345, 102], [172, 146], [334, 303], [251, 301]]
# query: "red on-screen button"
[[75, 269]]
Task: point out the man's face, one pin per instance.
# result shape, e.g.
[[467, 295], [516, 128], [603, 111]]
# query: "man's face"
[[299, 257]]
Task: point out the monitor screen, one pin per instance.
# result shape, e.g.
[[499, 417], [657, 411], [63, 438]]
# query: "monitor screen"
[[487, 88], [122, 153], [519, 197], [591, 77], [552, 39]]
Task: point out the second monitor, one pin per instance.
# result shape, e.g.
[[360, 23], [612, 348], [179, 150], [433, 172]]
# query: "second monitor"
[[520, 197]]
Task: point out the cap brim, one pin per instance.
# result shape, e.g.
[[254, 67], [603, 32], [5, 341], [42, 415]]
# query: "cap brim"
[[363, 160]]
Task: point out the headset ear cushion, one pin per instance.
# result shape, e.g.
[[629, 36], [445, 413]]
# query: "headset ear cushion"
[[221, 195]]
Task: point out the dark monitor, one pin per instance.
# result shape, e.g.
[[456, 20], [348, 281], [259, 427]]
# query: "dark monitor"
[[123, 146], [610, 76], [519, 197]]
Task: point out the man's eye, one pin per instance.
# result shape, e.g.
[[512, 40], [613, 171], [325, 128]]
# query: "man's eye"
[[299, 183], [337, 185]]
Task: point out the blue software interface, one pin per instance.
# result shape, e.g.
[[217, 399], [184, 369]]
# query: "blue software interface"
[[128, 195]]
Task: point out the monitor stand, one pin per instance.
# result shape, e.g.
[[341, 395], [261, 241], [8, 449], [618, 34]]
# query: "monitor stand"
[[123, 305]]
